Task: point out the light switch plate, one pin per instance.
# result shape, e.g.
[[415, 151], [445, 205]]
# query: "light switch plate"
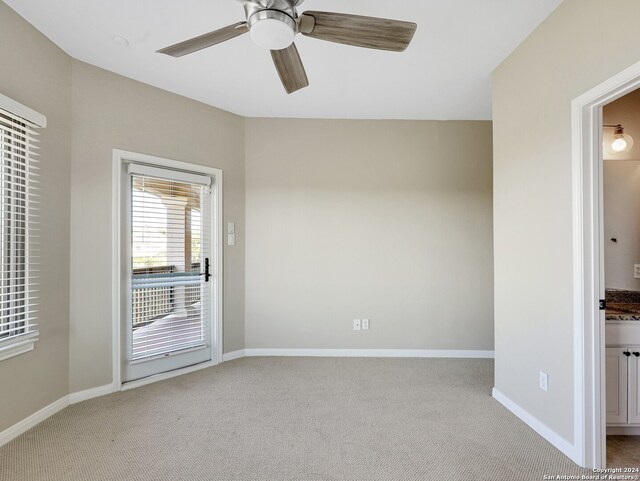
[[544, 381], [356, 325], [231, 228], [231, 239]]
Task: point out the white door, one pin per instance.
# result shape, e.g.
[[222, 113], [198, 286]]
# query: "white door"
[[634, 385], [616, 391], [168, 270]]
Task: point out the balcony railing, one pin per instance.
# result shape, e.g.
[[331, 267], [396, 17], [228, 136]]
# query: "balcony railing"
[[150, 303]]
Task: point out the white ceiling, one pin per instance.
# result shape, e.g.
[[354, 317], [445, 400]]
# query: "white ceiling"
[[444, 74]]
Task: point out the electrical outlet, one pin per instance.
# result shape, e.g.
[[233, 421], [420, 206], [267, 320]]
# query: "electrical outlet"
[[544, 381], [636, 271], [365, 324], [356, 325]]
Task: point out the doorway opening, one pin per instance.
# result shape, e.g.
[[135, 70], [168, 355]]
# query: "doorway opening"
[[597, 370], [621, 261]]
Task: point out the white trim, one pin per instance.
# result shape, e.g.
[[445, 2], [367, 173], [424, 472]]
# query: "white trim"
[[166, 375], [153, 160], [76, 397], [147, 170], [23, 111], [588, 323], [119, 157], [230, 356], [538, 426], [217, 197], [623, 430], [19, 346], [27, 423], [415, 353], [116, 179], [46, 412]]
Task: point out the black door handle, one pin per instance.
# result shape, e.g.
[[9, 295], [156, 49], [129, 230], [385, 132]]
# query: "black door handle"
[[627, 353], [207, 272], [637, 354]]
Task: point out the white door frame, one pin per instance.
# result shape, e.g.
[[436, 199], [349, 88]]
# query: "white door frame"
[[119, 158], [588, 262]]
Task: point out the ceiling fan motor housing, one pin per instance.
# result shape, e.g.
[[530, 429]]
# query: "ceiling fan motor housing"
[[271, 23], [284, 6]]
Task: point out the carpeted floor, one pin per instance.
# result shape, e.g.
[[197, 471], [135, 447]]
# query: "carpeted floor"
[[293, 419]]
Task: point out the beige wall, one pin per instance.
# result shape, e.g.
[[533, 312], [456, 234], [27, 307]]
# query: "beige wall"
[[386, 220], [110, 111], [38, 74], [622, 197], [581, 44]]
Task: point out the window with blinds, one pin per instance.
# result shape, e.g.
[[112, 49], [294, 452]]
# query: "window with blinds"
[[18, 230]]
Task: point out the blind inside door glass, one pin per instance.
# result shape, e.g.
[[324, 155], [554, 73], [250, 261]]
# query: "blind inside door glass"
[[168, 294]]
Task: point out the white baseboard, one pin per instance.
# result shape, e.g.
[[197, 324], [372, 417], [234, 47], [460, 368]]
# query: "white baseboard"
[[538, 426], [623, 430], [417, 353], [165, 375], [230, 356], [76, 397], [23, 426]]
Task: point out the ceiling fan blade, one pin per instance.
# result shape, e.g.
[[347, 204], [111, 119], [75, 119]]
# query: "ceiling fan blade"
[[207, 40], [290, 68], [359, 31]]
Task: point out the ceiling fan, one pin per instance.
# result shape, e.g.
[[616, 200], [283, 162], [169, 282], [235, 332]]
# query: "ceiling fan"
[[274, 24]]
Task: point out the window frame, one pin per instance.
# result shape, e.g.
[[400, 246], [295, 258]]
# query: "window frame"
[[17, 250]]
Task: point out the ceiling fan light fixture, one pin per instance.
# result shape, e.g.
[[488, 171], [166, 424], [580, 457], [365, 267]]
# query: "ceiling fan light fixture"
[[272, 29]]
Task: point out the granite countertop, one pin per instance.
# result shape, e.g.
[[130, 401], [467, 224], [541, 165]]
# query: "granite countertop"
[[622, 312], [622, 305]]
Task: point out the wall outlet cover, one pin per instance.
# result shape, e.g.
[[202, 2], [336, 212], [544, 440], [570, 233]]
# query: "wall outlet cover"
[[636, 271], [365, 324]]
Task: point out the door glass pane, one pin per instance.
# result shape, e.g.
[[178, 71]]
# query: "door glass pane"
[[167, 294]]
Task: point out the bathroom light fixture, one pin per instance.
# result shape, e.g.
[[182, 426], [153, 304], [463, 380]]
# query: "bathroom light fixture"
[[620, 142]]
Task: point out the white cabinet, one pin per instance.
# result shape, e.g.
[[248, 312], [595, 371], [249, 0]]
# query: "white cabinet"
[[623, 386], [617, 368], [634, 386]]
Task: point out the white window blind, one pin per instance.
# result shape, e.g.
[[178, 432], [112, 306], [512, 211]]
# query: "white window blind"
[[168, 240], [18, 233]]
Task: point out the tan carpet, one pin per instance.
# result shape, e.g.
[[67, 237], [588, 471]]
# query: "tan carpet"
[[302, 419]]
